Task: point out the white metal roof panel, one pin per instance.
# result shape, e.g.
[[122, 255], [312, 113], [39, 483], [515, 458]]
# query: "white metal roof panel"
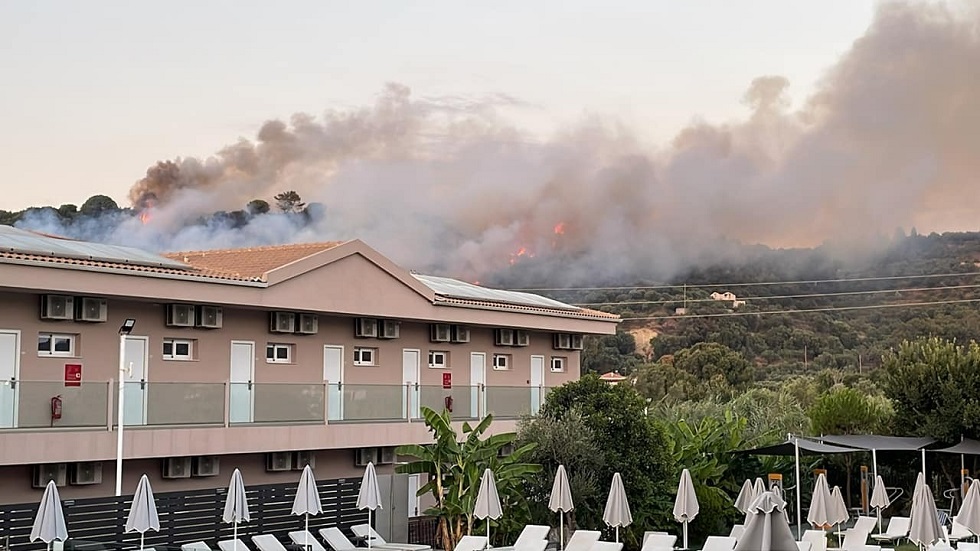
[[460, 289]]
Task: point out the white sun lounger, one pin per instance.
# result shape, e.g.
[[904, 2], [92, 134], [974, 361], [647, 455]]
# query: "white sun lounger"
[[607, 546], [865, 524], [719, 543], [471, 543], [233, 545], [195, 546], [817, 539], [268, 542], [896, 531], [306, 539], [582, 540], [335, 539], [659, 542], [365, 530]]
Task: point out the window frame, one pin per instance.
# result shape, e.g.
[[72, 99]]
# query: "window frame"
[[358, 359], [507, 362], [445, 359], [72, 339], [172, 357], [276, 346], [564, 363]]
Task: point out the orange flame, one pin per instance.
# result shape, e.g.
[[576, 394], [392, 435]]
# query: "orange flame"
[[560, 228], [522, 252], [145, 216]]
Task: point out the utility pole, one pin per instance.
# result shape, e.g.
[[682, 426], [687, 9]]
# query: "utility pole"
[[804, 356]]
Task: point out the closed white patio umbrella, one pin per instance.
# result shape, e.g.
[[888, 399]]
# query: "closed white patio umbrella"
[[617, 513], [370, 495], [969, 514], [307, 501], [879, 499], [686, 503], [49, 524], [840, 511], [236, 505], [767, 528], [821, 511], [561, 501], [925, 529], [143, 515], [488, 502]]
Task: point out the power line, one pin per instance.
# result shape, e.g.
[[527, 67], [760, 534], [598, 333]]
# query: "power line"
[[748, 284], [782, 297], [807, 310]]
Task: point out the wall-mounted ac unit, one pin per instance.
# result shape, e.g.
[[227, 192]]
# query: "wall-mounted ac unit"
[[49, 471], [91, 309], [461, 333], [387, 456], [363, 456], [522, 338], [205, 465], [388, 329], [365, 327], [302, 459], [575, 342], [506, 450], [180, 315], [503, 337], [282, 322], [176, 467], [57, 307], [278, 461], [562, 341], [209, 317], [440, 332], [308, 324], [86, 472]]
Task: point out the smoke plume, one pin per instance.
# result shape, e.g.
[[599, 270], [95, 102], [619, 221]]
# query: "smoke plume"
[[890, 138]]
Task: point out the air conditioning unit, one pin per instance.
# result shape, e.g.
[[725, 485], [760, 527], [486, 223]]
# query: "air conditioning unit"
[[365, 327], [302, 459], [563, 341], [206, 465], [387, 456], [282, 322], [50, 471], [461, 333], [278, 461], [209, 317], [522, 338], [506, 449], [91, 309], [57, 307], [177, 467], [575, 342], [389, 329], [503, 337], [363, 456], [440, 332], [308, 324], [86, 472], [180, 315]]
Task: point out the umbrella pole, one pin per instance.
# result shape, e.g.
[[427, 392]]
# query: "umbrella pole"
[[799, 488], [306, 536], [561, 529], [370, 529], [234, 535], [685, 534], [488, 533], [617, 534]]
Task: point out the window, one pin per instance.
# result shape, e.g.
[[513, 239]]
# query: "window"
[[365, 356], [438, 359], [54, 344], [558, 364], [501, 361], [178, 349], [277, 353]]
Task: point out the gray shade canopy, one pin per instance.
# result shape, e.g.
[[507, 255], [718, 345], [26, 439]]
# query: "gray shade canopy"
[[925, 529], [236, 504], [617, 513], [969, 515], [487, 499], [143, 512], [307, 501], [966, 446], [49, 524], [877, 442], [745, 497], [767, 528], [822, 508], [788, 449]]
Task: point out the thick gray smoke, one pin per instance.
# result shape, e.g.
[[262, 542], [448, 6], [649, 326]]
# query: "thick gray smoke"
[[890, 138]]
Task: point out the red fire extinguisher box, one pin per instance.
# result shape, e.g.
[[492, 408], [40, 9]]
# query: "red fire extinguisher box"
[[73, 374]]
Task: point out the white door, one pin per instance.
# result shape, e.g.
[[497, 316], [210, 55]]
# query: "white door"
[[413, 498], [333, 375], [410, 378], [9, 368], [241, 404], [134, 402], [478, 381], [537, 382]]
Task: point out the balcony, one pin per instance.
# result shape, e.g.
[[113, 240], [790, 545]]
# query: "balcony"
[[46, 406]]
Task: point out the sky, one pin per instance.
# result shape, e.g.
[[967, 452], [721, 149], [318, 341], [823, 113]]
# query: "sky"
[[93, 94]]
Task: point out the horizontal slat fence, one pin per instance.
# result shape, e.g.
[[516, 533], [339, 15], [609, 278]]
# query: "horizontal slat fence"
[[185, 517]]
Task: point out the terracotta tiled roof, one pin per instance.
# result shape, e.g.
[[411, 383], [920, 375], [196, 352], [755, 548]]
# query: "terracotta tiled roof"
[[103, 265], [252, 263]]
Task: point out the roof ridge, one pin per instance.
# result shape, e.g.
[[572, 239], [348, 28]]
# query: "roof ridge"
[[259, 248]]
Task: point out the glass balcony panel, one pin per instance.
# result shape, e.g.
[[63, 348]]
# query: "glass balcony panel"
[[509, 402], [287, 402], [368, 402], [182, 403], [27, 404]]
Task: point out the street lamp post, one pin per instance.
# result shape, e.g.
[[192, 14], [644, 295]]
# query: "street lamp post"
[[125, 329]]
